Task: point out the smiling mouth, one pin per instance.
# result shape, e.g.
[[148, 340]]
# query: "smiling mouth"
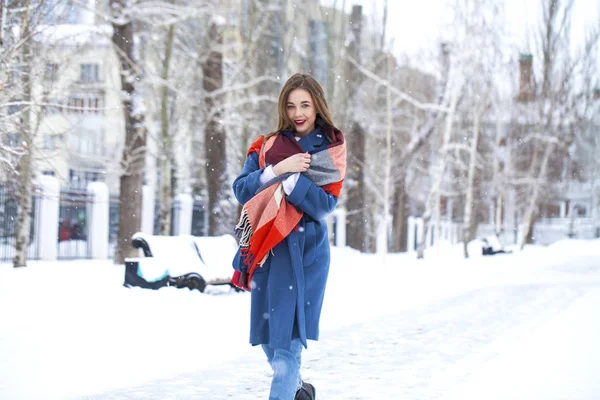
[[299, 123]]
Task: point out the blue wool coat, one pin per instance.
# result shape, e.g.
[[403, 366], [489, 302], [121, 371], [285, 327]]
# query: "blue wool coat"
[[287, 291]]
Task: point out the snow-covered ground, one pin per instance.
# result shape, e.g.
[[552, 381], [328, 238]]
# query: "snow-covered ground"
[[518, 326]]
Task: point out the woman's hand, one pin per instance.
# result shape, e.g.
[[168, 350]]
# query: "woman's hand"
[[296, 163]]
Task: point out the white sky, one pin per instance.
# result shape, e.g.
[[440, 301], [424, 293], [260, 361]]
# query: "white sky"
[[416, 25]]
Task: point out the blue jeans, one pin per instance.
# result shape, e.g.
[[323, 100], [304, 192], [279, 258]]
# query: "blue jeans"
[[286, 370]]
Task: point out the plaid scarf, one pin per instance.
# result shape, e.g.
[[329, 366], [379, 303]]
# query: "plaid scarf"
[[268, 218]]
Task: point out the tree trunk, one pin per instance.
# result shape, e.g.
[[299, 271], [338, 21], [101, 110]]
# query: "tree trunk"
[[134, 152], [499, 181], [387, 180], [25, 165], [3, 6], [384, 26], [355, 200], [24, 194], [527, 226], [552, 30], [166, 158], [400, 232], [499, 215], [215, 139], [469, 201], [355, 203], [421, 241]]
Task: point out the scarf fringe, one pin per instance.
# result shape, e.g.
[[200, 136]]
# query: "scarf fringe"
[[243, 230], [264, 260]]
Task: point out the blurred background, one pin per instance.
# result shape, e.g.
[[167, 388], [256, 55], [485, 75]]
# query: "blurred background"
[[464, 118]]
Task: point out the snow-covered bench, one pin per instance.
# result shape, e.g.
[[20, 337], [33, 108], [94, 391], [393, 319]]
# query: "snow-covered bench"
[[182, 261]]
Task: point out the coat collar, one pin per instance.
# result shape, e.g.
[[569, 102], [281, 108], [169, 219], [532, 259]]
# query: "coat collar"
[[313, 141]]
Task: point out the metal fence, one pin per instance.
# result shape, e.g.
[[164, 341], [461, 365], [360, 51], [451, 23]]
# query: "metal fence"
[[175, 207], [113, 225], [175, 211], [73, 224], [199, 218], [8, 219]]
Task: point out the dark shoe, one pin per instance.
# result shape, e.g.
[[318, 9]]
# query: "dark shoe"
[[306, 392]]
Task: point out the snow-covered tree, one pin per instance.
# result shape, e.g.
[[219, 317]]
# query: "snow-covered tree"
[[25, 55], [439, 165], [134, 151], [482, 24], [554, 110], [355, 178], [165, 159]]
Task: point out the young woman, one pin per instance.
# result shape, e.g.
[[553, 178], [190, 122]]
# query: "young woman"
[[290, 182]]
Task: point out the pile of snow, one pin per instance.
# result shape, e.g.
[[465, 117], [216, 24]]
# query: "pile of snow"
[[70, 329], [179, 255]]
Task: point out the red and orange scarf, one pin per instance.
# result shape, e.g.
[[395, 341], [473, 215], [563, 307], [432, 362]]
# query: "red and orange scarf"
[[268, 218]]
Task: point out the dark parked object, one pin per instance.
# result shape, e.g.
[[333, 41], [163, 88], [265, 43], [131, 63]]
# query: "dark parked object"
[[183, 261]]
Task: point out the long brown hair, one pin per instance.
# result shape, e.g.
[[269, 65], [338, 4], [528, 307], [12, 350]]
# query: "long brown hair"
[[310, 84]]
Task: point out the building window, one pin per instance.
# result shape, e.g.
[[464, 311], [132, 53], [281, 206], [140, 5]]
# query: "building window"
[[13, 140], [55, 12], [78, 104], [51, 142], [87, 142], [80, 179], [550, 210], [94, 104], [89, 73], [14, 108], [51, 73], [53, 107], [14, 77], [88, 104], [73, 15]]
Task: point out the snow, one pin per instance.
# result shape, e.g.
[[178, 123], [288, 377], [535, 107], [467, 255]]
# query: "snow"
[[515, 325], [73, 248], [219, 20], [572, 364], [178, 255]]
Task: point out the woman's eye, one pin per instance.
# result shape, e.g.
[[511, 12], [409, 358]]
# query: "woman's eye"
[[290, 107]]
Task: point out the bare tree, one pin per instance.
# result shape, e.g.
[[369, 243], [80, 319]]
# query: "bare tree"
[[482, 27], [406, 129], [133, 158], [19, 109], [455, 84], [3, 7], [165, 159], [421, 127], [562, 104], [355, 184], [215, 137], [478, 111], [387, 180], [24, 190]]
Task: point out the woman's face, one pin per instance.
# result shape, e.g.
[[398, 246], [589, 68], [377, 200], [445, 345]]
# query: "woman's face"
[[301, 111]]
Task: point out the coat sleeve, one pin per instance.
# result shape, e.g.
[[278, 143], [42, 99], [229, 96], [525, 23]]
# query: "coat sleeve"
[[248, 182], [312, 199]]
